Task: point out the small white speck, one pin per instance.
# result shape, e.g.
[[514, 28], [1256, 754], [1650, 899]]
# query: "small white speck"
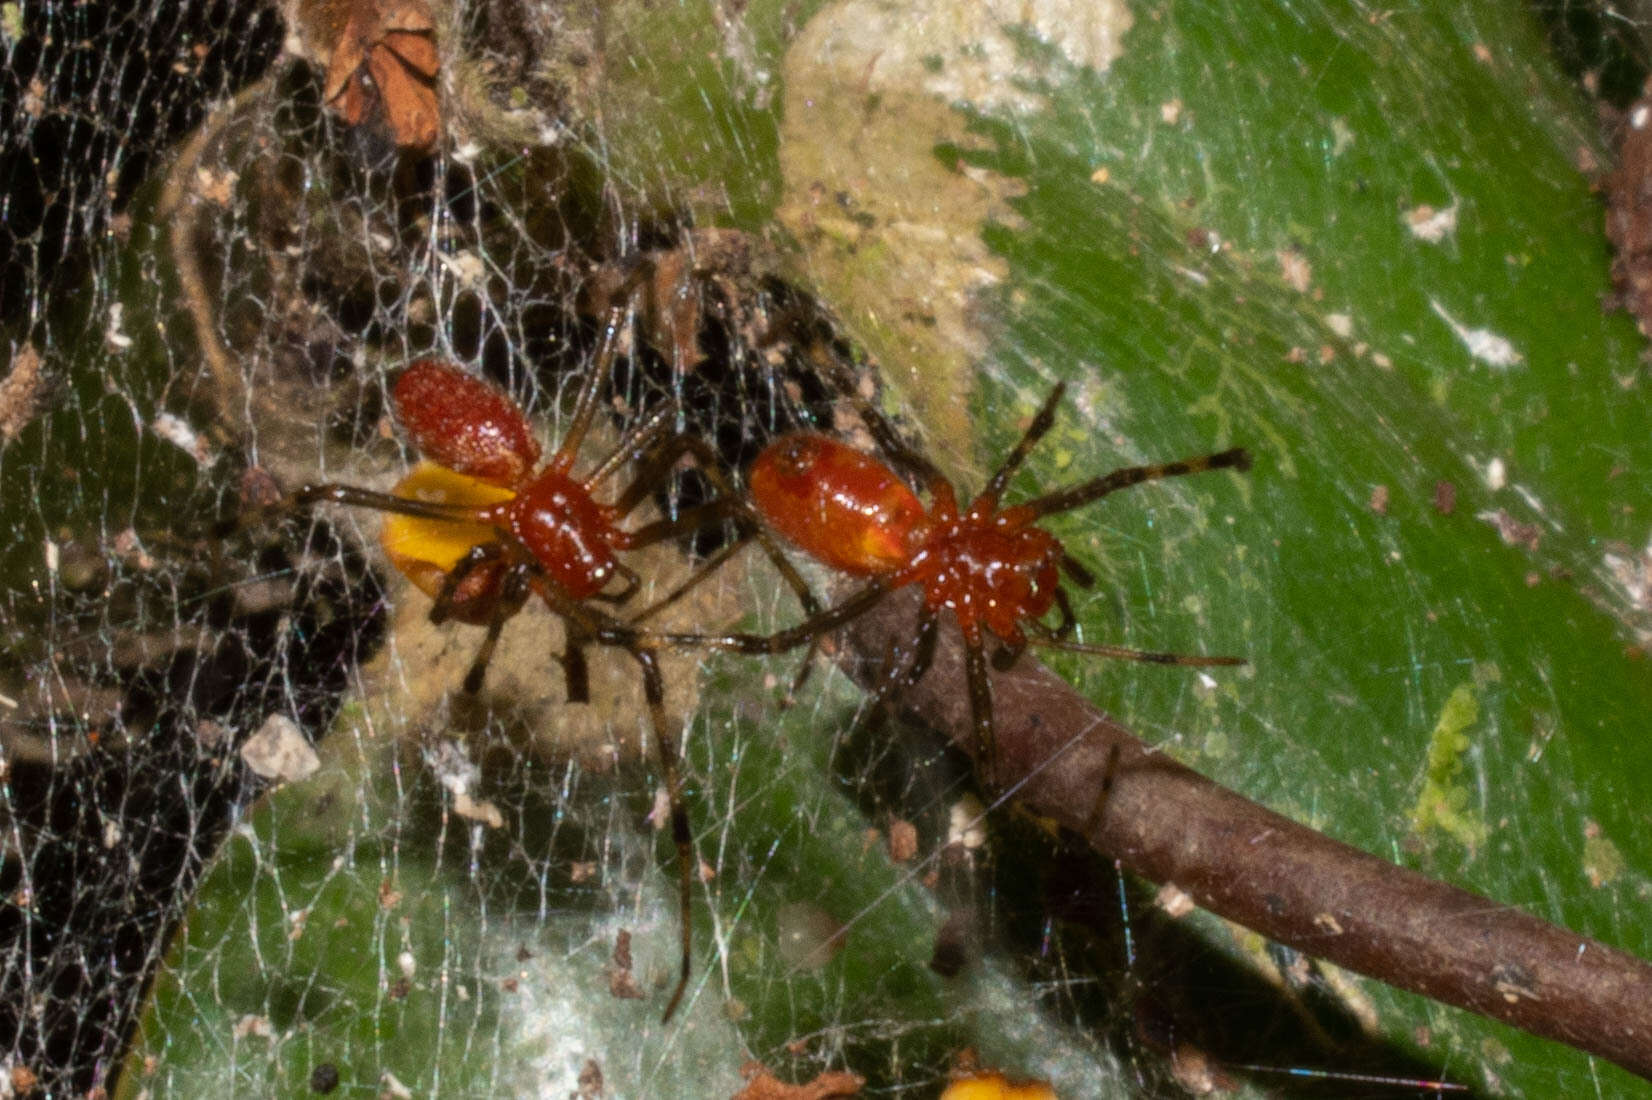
[[113, 335], [177, 432], [1340, 323], [964, 826], [407, 964], [53, 556], [1637, 117], [1497, 475]]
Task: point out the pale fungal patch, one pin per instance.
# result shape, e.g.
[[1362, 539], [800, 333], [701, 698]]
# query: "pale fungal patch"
[[1174, 901], [1482, 343], [893, 236], [1298, 273], [1431, 225]]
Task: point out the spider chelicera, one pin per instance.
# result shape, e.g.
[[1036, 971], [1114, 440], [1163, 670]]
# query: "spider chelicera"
[[993, 567], [481, 526]]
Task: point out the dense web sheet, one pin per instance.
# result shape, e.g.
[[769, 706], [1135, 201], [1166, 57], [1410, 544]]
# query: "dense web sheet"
[[1210, 224]]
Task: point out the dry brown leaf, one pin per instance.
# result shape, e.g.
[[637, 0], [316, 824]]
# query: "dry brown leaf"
[[762, 1085], [386, 55]]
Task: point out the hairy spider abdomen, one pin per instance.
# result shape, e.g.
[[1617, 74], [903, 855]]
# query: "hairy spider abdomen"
[[461, 422], [570, 535], [989, 575], [840, 506]]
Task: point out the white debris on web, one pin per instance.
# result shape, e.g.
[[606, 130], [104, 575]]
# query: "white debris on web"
[[176, 431], [280, 752], [114, 335], [449, 761], [1482, 343]]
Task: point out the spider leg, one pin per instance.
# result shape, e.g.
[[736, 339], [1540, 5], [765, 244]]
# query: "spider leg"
[[653, 688], [641, 440], [779, 642], [587, 624], [702, 571], [1004, 657], [476, 557], [980, 710], [1068, 622], [728, 505], [1076, 496], [632, 579], [1041, 424], [883, 432], [332, 493], [576, 672], [1048, 640], [1076, 572], [923, 654], [686, 522], [902, 672], [513, 592], [585, 403]]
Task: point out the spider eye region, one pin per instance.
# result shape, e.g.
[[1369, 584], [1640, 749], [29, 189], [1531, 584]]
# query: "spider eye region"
[[463, 423], [569, 534], [840, 506]]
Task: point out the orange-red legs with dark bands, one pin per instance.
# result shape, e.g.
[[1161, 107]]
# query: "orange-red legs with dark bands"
[[480, 526]]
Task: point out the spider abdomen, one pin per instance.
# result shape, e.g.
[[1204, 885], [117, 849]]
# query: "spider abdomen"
[[459, 421], [838, 505]]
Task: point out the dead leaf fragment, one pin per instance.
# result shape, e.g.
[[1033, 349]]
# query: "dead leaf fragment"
[[22, 393], [386, 57], [762, 1085], [622, 983], [903, 841]]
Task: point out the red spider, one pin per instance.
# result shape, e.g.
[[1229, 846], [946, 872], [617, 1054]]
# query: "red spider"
[[480, 526], [992, 567]]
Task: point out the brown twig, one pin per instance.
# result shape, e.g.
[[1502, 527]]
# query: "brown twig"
[[1273, 875], [181, 205]]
